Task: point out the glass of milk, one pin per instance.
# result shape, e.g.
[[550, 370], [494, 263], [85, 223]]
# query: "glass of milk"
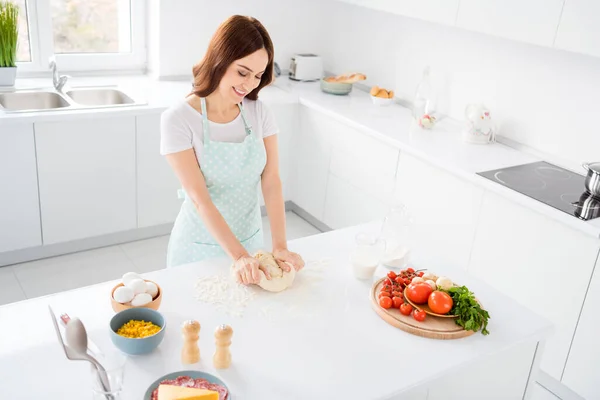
[[366, 255]]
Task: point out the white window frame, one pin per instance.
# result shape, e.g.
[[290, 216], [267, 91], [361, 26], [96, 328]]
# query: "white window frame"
[[42, 45]]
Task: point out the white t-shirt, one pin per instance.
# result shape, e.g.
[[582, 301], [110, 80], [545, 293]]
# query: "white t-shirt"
[[181, 127]]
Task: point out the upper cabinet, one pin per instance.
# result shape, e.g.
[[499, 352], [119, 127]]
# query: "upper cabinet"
[[530, 21], [562, 24], [440, 11], [579, 29]]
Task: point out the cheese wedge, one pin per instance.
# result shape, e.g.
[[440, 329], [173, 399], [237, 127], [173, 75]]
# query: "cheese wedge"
[[172, 392]]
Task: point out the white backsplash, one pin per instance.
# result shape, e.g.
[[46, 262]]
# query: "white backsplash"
[[185, 28], [543, 98]]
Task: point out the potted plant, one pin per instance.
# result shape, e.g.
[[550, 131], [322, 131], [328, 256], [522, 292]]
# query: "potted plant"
[[9, 28]]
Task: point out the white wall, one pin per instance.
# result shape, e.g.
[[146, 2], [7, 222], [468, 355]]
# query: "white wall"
[[186, 26], [544, 98]]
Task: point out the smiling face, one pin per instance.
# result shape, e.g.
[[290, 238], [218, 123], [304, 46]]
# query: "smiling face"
[[243, 76]]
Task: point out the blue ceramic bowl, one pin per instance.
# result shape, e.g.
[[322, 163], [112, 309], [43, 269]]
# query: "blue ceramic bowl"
[[137, 346]]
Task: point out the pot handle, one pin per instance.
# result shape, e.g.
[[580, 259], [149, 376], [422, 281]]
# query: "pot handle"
[[586, 166]]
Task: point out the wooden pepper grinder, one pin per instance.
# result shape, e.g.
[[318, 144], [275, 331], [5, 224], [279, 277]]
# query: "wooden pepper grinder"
[[190, 354], [222, 357]]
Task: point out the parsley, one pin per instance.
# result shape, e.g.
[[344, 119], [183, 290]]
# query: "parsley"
[[470, 315]]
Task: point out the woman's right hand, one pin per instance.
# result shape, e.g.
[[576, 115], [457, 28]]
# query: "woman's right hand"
[[246, 270]]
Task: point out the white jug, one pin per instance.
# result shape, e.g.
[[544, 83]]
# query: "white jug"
[[480, 127]]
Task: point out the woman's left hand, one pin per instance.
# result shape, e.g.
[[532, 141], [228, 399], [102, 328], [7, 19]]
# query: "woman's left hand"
[[284, 256]]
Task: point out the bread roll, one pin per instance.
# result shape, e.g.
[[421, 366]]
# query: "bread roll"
[[382, 93], [391, 94], [374, 90]]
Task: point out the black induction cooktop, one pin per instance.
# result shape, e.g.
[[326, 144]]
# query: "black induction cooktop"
[[551, 185]]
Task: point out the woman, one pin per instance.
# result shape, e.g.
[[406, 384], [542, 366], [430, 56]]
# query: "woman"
[[222, 142]]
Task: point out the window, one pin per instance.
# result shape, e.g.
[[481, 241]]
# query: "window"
[[81, 34], [23, 51]]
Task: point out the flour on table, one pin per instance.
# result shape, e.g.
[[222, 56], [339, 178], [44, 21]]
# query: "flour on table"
[[225, 294]]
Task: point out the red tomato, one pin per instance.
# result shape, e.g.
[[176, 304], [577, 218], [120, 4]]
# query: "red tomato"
[[421, 273], [384, 293], [407, 281], [419, 292], [398, 301], [387, 281], [419, 315], [397, 293], [405, 309], [410, 270], [391, 275], [399, 280], [440, 302], [386, 302]]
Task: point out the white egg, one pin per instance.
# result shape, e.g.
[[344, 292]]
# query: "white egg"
[[141, 299], [129, 276], [137, 285], [151, 289], [123, 294]]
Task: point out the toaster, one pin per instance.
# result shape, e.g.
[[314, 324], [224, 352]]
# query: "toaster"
[[306, 67]]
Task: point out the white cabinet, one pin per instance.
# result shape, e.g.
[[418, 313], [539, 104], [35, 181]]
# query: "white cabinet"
[[19, 202], [579, 29], [531, 258], [530, 21], [157, 184], [582, 373], [445, 211], [440, 11], [87, 179], [346, 205], [286, 116], [312, 154], [364, 162]]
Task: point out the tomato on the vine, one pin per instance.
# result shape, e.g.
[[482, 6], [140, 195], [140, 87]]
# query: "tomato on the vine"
[[398, 301], [391, 275], [386, 302], [405, 309], [419, 315]]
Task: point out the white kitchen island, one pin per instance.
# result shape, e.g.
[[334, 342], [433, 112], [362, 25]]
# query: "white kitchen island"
[[319, 339]]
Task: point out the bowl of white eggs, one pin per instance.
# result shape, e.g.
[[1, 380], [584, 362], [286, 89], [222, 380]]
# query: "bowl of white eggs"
[[135, 292]]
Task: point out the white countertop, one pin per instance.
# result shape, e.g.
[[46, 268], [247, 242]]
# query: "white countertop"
[[321, 339], [442, 147]]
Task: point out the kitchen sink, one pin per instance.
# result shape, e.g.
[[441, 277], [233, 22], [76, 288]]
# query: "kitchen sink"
[[99, 97], [36, 100], [32, 100]]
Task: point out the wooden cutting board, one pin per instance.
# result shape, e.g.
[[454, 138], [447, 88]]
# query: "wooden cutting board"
[[432, 327]]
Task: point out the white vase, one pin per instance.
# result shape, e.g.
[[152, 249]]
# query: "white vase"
[[8, 76]]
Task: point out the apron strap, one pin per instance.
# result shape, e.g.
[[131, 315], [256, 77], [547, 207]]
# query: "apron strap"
[[247, 126], [205, 131]]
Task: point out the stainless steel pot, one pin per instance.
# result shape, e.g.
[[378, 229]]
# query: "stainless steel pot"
[[592, 180], [588, 207]]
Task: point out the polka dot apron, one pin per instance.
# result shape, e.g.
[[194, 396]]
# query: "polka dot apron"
[[232, 172]]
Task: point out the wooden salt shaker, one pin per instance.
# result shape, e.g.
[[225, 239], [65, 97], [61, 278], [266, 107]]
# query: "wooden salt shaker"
[[190, 354], [222, 357]]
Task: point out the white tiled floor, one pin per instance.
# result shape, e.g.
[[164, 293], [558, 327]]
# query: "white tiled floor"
[[42, 277]]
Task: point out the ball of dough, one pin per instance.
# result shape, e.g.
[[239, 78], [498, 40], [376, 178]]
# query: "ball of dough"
[[280, 280], [137, 285], [151, 289], [123, 294], [129, 276], [141, 300]]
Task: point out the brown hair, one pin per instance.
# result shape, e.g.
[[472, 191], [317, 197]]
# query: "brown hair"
[[235, 38]]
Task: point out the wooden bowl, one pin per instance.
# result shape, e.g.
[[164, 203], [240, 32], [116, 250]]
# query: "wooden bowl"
[[154, 304]]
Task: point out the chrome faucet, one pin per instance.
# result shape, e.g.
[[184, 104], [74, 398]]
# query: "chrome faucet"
[[58, 81]]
